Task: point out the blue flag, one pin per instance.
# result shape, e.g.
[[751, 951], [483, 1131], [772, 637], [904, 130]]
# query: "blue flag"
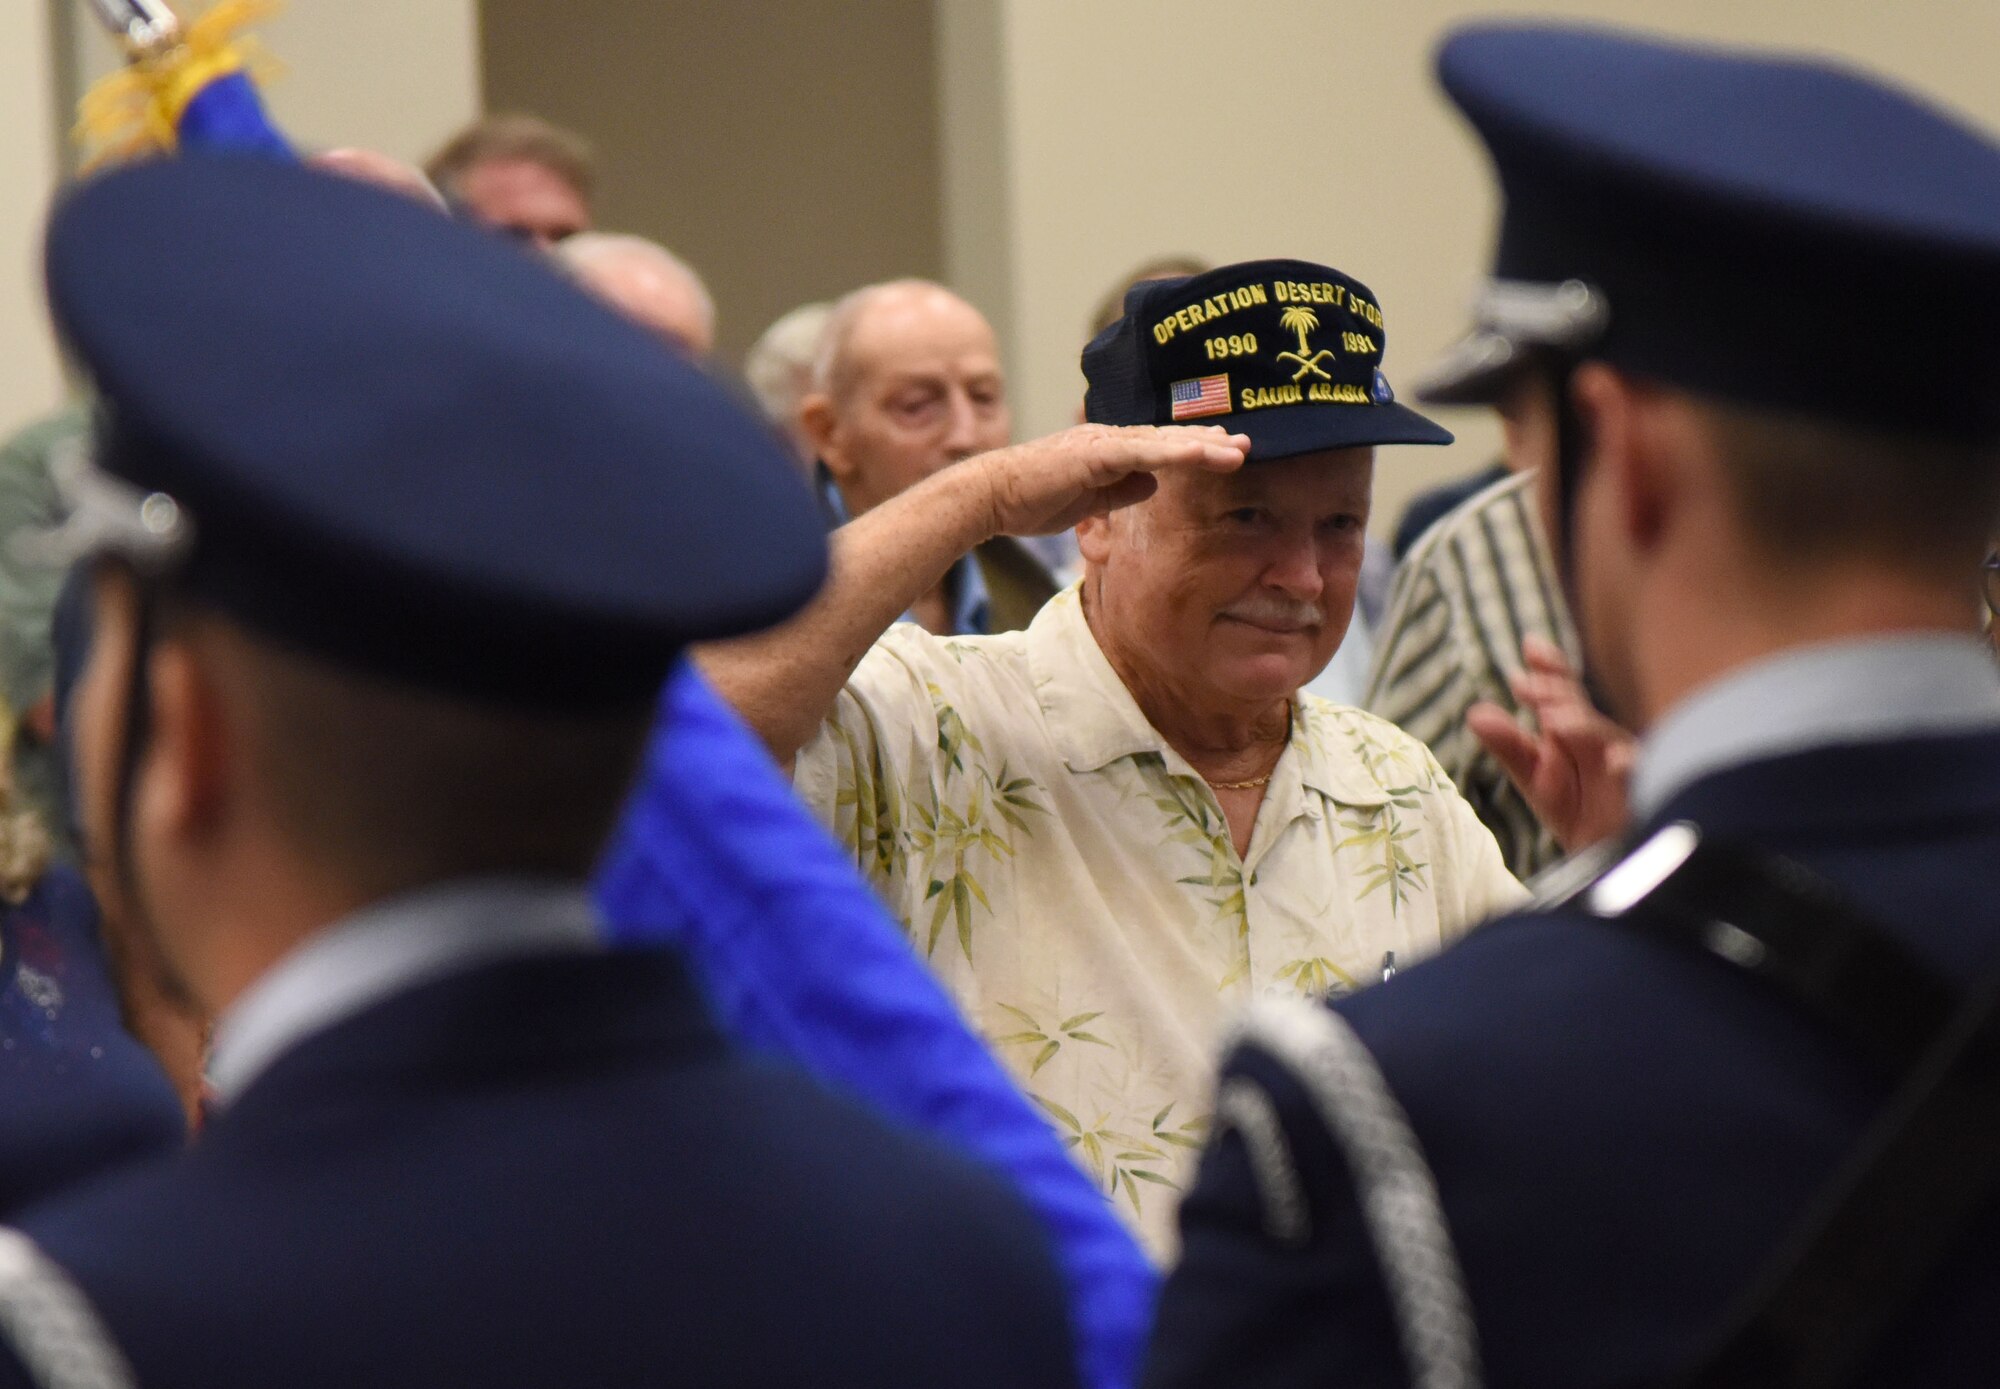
[[718, 857], [228, 114]]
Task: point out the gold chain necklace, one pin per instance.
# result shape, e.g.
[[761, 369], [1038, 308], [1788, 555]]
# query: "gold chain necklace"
[[1264, 780]]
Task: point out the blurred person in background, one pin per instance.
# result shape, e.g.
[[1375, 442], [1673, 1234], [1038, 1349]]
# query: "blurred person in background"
[[779, 368], [1476, 619], [907, 383], [79, 1094], [520, 174], [1433, 504], [382, 170], [31, 501], [647, 282], [1111, 307]]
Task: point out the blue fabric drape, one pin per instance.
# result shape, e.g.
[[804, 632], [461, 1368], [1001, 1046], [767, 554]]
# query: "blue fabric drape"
[[227, 114], [717, 857]]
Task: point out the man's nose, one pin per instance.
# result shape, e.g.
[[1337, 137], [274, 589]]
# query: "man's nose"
[[961, 439], [1295, 569]]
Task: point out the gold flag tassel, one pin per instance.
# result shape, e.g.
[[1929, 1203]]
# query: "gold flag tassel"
[[136, 111]]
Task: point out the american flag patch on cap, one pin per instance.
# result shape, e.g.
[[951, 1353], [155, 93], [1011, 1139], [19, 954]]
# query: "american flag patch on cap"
[[1206, 395]]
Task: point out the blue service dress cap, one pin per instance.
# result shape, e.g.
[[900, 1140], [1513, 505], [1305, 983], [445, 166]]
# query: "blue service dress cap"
[[1285, 351], [1774, 230], [409, 447]]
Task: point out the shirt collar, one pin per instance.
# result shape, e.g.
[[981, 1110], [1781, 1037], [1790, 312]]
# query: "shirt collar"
[[386, 949], [1841, 692], [1094, 721]]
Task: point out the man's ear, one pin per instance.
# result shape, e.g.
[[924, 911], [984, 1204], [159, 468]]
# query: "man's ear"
[[183, 785], [1093, 537], [1626, 441], [820, 422]]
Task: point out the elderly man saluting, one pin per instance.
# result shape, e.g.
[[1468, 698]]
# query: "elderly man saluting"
[[1106, 831]]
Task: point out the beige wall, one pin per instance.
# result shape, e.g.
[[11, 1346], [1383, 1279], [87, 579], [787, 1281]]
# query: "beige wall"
[[30, 381], [392, 75], [786, 148], [974, 88], [1280, 127], [397, 75]]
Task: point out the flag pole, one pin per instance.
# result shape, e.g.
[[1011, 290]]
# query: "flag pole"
[[144, 28]]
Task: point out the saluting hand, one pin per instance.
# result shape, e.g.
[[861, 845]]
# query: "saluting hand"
[[1049, 484], [1575, 773]]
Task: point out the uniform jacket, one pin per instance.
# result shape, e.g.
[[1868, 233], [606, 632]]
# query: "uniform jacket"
[[78, 1096], [552, 1171], [1620, 1131]]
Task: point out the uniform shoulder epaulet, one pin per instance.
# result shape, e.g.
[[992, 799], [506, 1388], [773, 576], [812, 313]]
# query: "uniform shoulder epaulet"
[[1350, 1099], [1612, 878]]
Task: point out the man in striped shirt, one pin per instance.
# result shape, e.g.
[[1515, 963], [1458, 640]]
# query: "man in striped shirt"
[[1477, 587]]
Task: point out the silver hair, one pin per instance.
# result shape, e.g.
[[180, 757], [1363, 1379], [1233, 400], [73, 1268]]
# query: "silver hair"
[[779, 366]]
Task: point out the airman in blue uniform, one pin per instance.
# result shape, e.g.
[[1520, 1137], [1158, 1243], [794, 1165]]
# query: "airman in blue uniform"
[[1709, 1114], [395, 536]]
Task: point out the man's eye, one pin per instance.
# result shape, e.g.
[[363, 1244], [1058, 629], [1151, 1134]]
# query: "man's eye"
[[1244, 516]]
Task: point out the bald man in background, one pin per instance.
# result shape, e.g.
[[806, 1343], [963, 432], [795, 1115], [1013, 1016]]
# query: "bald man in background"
[[647, 283], [907, 383]]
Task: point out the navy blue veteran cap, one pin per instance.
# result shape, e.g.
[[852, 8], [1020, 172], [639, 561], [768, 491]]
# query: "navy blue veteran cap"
[[1775, 231], [1285, 351], [399, 443]]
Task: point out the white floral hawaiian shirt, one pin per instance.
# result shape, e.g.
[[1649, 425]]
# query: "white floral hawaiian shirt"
[[1073, 881]]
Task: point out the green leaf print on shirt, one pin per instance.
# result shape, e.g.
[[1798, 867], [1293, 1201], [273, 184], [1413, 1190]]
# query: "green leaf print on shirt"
[[974, 811], [1122, 1161], [1398, 761], [874, 801], [1048, 1041], [1196, 822], [1379, 834], [1317, 977], [953, 736]]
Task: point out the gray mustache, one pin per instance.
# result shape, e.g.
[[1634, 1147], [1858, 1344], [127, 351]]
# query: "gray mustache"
[[1276, 612]]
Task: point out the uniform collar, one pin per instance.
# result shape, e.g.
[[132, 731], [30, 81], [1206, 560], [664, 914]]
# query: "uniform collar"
[[386, 949], [1094, 721], [1840, 693]]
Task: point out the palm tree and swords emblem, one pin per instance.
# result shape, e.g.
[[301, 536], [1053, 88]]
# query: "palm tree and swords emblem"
[[1302, 320]]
